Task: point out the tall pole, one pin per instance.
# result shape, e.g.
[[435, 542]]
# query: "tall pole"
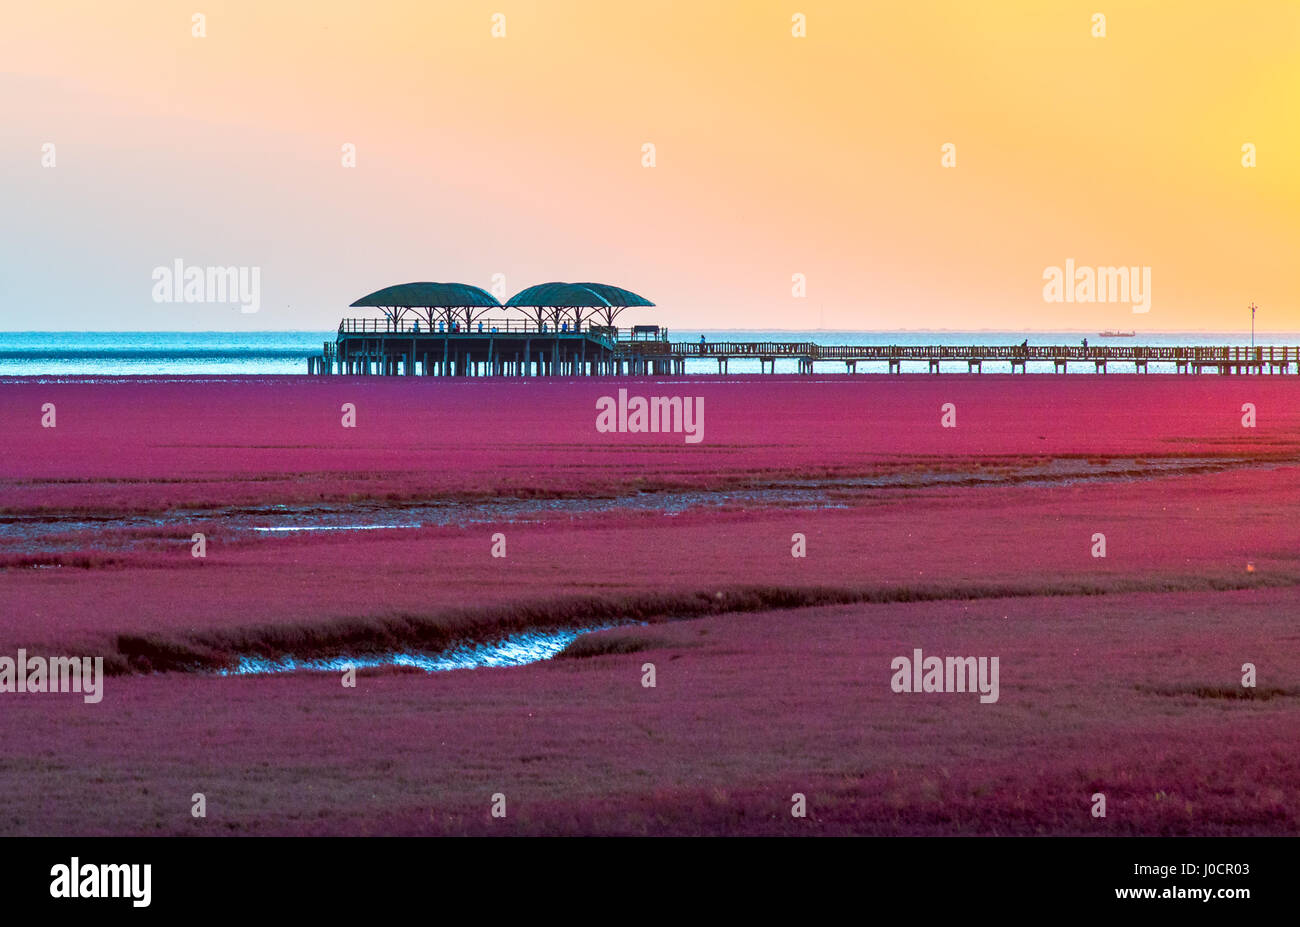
[[1253, 307]]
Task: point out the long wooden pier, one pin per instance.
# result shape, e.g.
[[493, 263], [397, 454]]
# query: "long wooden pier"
[[1221, 359], [524, 348]]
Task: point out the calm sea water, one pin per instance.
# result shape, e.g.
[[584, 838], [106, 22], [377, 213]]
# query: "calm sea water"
[[234, 353]]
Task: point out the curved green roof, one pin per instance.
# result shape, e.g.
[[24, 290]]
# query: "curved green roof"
[[577, 295], [426, 295], [616, 295]]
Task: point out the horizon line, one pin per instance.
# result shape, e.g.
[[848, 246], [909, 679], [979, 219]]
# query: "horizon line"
[[864, 331]]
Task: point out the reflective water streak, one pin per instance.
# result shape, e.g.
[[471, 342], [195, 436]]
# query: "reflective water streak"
[[340, 527], [514, 650], [44, 531]]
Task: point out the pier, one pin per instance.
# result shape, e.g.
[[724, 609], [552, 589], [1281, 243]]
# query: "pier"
[[569, 329], [506, 348]]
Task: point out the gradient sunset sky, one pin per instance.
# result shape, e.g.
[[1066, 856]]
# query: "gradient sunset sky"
[[775, 155]]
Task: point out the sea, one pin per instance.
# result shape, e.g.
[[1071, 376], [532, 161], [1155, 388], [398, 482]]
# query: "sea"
[[106, 354]]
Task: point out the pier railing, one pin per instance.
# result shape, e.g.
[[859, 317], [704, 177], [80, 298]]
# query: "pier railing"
[[1271, 354], [385, 343], [479, 327]]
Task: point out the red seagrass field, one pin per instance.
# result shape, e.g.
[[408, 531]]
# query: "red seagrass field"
[[1120, 674]]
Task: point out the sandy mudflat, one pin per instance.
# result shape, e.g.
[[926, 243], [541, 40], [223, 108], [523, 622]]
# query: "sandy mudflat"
[[1119, 675]]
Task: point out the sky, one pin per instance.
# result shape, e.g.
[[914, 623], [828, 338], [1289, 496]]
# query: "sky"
[[797, 181]]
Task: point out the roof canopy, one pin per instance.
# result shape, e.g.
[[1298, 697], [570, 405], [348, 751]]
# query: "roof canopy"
[[577, 295], [429, 295]]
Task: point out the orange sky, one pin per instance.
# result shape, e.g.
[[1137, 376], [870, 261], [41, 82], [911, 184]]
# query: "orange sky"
[[775, 155]]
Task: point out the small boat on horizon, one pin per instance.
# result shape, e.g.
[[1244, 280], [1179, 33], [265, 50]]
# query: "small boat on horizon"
[[1117, 334]]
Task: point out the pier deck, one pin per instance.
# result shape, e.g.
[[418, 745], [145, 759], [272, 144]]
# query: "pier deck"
[[518, 348]]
